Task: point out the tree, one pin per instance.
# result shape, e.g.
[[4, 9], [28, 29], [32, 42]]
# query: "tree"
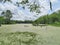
[[34, 7], [7, 16], [1, 20], [50, 19]]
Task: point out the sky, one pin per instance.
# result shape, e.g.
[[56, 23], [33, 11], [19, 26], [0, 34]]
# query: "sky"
[[24, 14], [55, 6]]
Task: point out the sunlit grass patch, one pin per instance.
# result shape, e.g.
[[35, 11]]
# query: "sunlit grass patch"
[[18, 38]]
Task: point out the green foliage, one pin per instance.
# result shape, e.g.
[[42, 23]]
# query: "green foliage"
[[41, 20], [1, 20], [36, 23], [24, 1], [7, 16], [19, 21], [53, 18], [56, 24], [34, 7], [7, 0]]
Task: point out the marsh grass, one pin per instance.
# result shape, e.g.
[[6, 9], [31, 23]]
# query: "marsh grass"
[[17, 34], [18, 38]]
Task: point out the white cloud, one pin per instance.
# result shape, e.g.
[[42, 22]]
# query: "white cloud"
[[57, 9], [54, 1], [46, 6], [1, 7], [9, 6], [20, 14]]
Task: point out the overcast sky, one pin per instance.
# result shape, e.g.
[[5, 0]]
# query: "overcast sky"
[[21, 14]]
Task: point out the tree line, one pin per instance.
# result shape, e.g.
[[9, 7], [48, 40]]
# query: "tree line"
[[53, 18], [6, 16]]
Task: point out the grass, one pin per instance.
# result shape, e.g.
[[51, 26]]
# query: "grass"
[[19, 34], [56, 24], [17, 38]]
